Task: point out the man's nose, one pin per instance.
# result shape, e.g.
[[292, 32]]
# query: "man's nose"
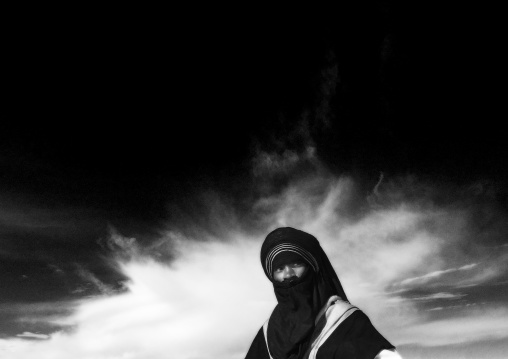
[[288, 272]]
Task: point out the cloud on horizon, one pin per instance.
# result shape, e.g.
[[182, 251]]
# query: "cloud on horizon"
[[205, 288]]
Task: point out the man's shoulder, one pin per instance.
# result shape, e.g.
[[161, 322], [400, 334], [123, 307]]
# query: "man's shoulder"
[[338, 308], [354, 334]]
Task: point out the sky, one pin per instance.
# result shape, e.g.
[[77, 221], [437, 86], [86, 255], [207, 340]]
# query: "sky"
[[144, 160]]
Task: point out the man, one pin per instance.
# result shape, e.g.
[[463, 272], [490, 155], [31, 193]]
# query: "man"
[[313, 318]]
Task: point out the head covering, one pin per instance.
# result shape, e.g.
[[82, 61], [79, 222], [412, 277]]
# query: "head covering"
[[284, 258], [292, 321], [285, 253]]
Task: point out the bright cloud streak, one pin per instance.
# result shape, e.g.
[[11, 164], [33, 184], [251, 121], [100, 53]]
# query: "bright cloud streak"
[[211, 300], [441, 295], [436, 274], [33, 335]]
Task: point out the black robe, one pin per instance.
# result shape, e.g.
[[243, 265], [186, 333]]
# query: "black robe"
[[355, 338]]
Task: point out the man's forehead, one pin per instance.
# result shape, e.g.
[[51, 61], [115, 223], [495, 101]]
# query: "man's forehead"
[[287, 257], [289, 263]]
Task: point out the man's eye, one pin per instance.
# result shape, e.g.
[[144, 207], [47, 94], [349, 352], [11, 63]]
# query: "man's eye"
[[279, 269]]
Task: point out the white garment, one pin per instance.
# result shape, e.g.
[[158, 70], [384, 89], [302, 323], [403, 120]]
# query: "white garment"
[[335, 311], [388, 354]]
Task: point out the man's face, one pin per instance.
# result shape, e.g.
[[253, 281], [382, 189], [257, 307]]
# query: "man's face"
[[290, 271]]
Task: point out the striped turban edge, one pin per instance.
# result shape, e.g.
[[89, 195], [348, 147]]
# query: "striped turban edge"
[[289, 247]]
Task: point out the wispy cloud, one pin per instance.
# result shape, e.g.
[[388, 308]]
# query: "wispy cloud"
[[214, 281], [92, 280], [441, 295], [480, 323], [271, 164], [168, 308], [435, 275], [33, 335]]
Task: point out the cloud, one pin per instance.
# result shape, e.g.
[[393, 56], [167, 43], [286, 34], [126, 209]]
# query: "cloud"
[[478, 324], [468, 266], [33, 335], [285, 163], [213, 289], [39, 312], [329, 80], [33, 217], [435, 275], [92, 280], [441, 295], [210, 299]]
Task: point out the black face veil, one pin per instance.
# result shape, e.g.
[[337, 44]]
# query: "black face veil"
[[292, 322]]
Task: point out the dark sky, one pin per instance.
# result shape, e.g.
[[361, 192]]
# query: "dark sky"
[[416, 90], [111, 117]]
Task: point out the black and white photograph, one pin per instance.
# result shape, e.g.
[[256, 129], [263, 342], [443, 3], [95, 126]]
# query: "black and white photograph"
[[223, 182]]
